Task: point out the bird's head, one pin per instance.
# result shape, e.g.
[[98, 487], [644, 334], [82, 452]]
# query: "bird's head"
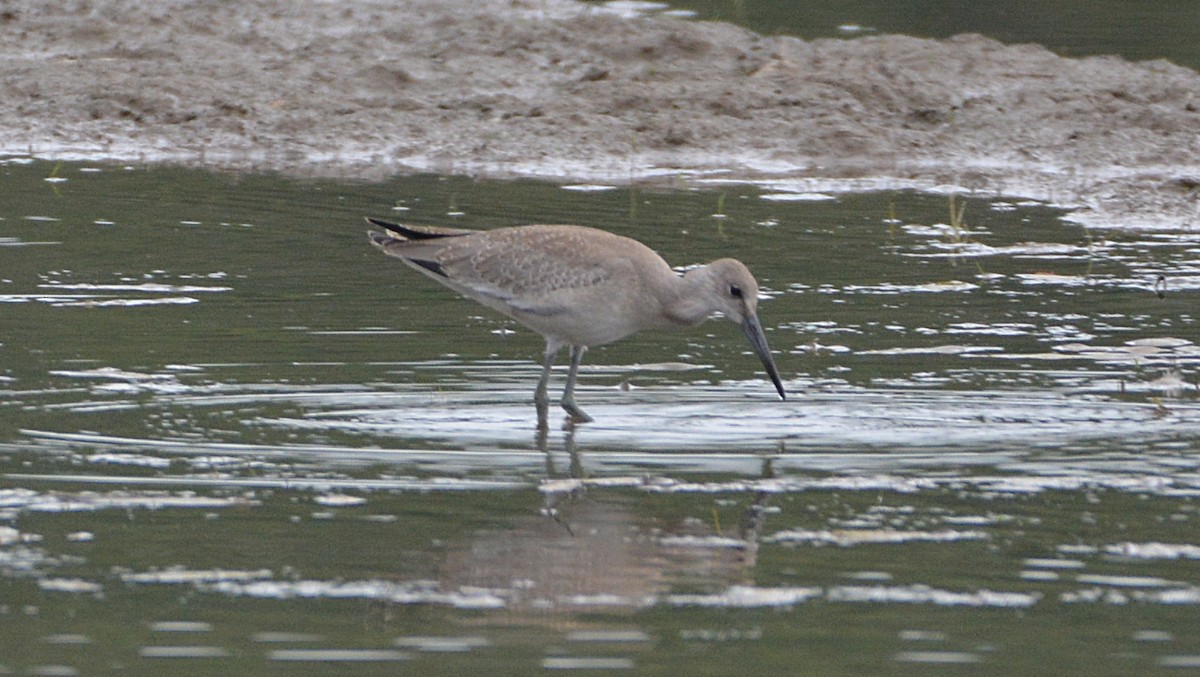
[[733, 292]]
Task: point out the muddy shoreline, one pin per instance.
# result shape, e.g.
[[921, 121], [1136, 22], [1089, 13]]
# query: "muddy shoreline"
[[565, 91]]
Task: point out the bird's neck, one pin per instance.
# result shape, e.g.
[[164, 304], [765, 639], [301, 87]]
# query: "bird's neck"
[[687, 305]]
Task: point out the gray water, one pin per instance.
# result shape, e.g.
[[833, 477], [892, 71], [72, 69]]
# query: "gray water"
[[236, 439], [1137, 30]]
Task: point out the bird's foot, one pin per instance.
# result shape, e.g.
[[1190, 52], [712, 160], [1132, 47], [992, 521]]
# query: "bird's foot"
[[577, 415]]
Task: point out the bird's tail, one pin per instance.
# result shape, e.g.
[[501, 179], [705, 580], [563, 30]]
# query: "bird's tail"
[[395, 231]]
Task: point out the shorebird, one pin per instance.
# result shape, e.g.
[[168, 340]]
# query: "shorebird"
[[578, 287]]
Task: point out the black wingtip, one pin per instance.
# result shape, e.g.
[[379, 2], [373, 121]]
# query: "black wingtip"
[[393, 228], [432, 266], [402, 232]]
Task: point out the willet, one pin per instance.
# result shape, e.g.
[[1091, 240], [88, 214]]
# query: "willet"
[[578, 287]]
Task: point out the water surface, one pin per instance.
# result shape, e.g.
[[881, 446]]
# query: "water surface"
[[236, 438], [1138, 31]]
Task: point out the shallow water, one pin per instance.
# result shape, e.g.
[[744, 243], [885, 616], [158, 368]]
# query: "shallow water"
[[236, 438], [1138, 31]]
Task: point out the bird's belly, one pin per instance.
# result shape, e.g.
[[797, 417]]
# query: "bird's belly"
[[576, 328]]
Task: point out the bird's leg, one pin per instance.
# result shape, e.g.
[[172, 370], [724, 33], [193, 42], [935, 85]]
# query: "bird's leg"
[[540, 397], [568, 399]]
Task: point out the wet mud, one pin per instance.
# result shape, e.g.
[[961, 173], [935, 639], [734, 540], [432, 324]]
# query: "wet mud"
[[571, 91]]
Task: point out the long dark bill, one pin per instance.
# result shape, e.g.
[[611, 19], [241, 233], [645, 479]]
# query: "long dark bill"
[[753, 331]]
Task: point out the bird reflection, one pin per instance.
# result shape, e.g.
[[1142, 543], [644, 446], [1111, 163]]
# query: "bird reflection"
[[596, 546]]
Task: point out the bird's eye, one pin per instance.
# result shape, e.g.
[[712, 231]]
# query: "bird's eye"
[[735, 291]]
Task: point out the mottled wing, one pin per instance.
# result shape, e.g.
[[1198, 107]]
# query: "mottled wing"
[[532, 268]]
